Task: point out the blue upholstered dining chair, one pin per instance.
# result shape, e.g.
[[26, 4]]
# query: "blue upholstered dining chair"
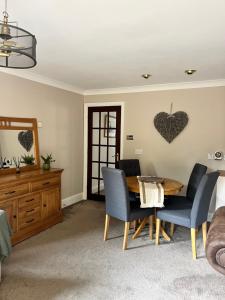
[[118, 204], [196, 175], [190, 217], [131, 167], [187, 201]]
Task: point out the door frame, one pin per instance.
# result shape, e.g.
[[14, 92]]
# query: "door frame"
[[86, 106]]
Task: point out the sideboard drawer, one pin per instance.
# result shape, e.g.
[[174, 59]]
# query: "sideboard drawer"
[[14, 191], [28, 221], [29, 211], [30, 200], [42, 184]]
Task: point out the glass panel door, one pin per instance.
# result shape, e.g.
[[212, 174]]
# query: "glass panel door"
[[104, 124]]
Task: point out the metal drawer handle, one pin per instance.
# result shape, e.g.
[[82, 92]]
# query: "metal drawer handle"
[[9, 193], [30, 221], [46, 183], [30, 200], [30, 210]]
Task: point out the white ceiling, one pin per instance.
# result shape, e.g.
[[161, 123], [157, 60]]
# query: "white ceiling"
[[97, 44]]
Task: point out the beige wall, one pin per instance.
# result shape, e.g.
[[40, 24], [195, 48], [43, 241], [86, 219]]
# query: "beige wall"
[[62, 115], [205, 132], [62, 134]]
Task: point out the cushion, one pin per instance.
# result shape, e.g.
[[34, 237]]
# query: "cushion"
[[175, 214]]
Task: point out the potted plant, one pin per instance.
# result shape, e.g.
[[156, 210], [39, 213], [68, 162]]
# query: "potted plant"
[[17, 162], [47, 161], [27, 159]]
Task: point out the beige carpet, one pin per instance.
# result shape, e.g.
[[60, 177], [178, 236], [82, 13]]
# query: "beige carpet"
[[71, 261]]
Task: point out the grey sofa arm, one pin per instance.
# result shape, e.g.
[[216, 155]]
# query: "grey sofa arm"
[[215, 245]]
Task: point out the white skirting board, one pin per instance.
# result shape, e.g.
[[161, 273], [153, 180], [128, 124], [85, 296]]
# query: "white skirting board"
[[72, 200]]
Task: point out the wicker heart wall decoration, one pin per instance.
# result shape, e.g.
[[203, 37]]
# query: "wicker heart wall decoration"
[[26, 139], [170, 125]]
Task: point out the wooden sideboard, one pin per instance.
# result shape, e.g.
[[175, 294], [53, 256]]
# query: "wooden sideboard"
[[32, 201]]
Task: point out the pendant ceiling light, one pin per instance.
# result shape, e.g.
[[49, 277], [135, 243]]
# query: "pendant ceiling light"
[[17, 46]]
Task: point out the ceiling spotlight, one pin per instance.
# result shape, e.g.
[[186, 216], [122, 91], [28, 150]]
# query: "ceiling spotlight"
[[190, 71], [146, 76]]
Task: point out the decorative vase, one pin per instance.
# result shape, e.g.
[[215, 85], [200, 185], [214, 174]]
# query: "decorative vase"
[[46, 167], [17, 170]]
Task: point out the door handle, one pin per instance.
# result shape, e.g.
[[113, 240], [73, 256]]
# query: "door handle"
[[117, 156]]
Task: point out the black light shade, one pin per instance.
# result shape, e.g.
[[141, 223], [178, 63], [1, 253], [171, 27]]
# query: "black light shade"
[[17, 47]]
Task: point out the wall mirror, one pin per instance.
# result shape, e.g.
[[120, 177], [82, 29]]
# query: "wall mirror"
[[18, 143]]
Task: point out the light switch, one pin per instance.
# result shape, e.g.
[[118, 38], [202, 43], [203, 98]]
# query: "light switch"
[[130, 137], [138, 151], [39, 124]]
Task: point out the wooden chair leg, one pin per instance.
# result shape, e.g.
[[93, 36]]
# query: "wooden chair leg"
[[196, 229], [193, 243], [204, 233], [171, 229], [158, 226], [107, 218], [135, 225], [151, 219], [126, 231]]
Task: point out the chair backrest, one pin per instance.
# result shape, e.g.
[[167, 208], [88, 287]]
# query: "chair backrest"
[[131, 167], [116, 193], [200, 208], [194, 180]]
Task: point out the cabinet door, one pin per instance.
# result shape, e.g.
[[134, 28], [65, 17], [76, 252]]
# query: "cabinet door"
[[10, 207], [51, 203]]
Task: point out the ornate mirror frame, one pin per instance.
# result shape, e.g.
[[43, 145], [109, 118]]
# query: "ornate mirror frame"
[[10, 123]]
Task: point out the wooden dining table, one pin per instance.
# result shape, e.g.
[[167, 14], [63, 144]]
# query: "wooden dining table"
[[170, 186]]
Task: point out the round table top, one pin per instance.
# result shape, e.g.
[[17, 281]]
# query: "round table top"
[[170, 186]]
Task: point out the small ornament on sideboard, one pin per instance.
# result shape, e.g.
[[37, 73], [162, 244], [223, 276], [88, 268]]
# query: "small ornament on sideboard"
[[47, 161], [28, 159], [17, 162]]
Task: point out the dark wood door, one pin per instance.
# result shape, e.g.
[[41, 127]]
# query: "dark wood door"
[[104, 128]]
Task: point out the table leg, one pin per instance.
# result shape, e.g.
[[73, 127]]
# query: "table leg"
[[140, 227], [164, 234], [151, 219]]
